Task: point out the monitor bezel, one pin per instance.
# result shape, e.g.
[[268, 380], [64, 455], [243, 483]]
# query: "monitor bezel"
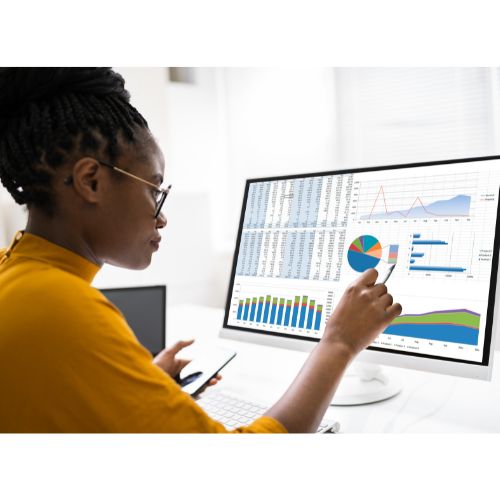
[[163, 289], [476, 369]]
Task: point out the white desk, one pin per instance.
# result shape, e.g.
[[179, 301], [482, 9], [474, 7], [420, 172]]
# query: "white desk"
[[427, 403]]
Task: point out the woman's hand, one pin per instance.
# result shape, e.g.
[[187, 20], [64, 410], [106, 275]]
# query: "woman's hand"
[[361, 314], [168, 361]]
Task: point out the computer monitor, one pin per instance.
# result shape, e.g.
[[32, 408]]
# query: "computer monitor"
[[303, 238], [144, 309]]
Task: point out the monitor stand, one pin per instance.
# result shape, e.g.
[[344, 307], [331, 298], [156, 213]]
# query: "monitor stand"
[[365, 383]]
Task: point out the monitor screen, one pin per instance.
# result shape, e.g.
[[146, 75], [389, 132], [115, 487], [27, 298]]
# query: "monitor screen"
[[144, 309], [302, 239]]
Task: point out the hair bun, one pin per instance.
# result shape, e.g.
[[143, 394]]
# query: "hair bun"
[[20, 86]]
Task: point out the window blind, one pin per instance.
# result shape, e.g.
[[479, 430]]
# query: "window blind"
[[403, 115]]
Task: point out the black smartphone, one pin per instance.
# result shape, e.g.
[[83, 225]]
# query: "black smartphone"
[[194, 377]]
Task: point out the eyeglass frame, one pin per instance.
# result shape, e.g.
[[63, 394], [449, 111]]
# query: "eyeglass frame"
[[164, 192]]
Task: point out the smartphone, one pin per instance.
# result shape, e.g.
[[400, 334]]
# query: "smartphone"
[[194, 377]]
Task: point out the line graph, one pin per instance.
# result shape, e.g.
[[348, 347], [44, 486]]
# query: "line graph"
[[458, 206], [426, 197]]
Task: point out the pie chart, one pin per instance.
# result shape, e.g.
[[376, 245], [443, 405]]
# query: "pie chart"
[[364, 253]]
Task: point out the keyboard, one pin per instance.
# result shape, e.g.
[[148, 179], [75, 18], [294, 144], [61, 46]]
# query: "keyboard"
[[234, 412]]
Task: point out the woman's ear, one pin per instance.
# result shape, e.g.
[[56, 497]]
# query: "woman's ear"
[[87, 179]]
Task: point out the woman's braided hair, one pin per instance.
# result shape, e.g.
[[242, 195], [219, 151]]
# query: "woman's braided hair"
[[47, 114]]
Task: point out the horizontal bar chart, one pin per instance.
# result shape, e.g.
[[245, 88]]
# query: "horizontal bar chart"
[[435, 256]]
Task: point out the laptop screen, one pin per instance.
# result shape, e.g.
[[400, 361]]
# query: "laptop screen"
[[144, 309]]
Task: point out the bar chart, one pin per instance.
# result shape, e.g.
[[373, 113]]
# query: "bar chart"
[[424, 249], [393, 254], [283, 311]]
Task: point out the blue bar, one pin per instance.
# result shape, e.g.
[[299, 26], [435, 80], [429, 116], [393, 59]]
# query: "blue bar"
[[252, 312], [417, 235], [287, 314], [434, 268], [266, 309], [412, 261], [259, 309], [318, 320], [415, 254], [273, 313], [303, 312], [240, 310], [295, 311], [429, 242], [245, 314], [280, 313], [310, 318]]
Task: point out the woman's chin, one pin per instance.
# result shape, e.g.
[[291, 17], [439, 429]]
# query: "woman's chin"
[[134, 264]]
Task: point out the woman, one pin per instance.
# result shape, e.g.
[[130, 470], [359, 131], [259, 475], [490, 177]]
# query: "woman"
[[83, 160]]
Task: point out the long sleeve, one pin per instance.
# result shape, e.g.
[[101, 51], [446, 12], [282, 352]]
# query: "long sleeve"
[[69, 362]]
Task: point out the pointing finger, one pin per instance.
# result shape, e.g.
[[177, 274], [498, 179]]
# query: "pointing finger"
[[368, 278]]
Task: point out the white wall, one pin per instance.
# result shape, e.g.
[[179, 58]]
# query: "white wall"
[[12, 217], [402, 115]]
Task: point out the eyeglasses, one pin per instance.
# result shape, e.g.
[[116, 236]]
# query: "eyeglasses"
[[160, 194]]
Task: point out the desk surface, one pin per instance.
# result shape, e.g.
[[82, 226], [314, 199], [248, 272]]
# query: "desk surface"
[[427, 403]]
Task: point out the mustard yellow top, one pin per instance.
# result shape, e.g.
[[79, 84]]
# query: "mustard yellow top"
[[69, 362]]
